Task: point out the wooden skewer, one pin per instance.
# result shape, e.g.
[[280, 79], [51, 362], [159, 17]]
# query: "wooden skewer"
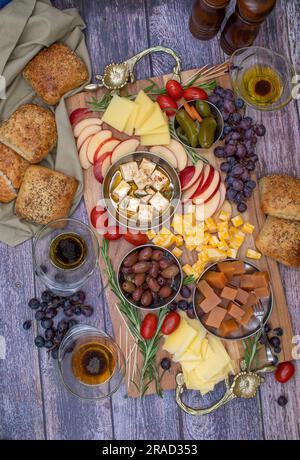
[[208, 73]]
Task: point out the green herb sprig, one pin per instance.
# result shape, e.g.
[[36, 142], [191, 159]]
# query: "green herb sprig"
[[149, 372], [251, 347], [189, 279]]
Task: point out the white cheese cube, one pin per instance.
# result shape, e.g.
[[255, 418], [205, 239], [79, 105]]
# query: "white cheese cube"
[[122, 190], [149, 194], [159, 180], [145, 213], [141, 179], [130, 204], [147, 166], [159, 202], [129, 170]]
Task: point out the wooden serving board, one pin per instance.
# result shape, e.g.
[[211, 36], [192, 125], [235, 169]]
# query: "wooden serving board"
[[92, 193]]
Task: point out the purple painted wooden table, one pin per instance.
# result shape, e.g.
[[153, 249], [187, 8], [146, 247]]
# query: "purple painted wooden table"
[[33, 402]]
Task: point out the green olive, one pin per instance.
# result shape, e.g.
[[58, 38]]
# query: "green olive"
[[203, 108], [207, 132], [188, 127]]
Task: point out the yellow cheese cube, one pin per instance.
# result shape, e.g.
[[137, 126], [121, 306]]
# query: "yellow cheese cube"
[[165, 231], [151, 234], [237, 220], [224, 235], [203, 256], [206, 237], [248, 228], [190, 247], [118, 112], [224, 215], [253, 254], [198, 267], [177, 224], [177, 252], [222, 226], [211, 225], [223, 245], [214, 241], [187, 269], [215, 254], [233, 230], [178, 240], [232, 253], [165, 241]]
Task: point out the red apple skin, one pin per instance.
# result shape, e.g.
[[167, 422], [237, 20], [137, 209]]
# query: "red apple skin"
[[185, 176], [79, 114], [187, 194], [215, 191], [205, 178], [97, 167], [96, 154]]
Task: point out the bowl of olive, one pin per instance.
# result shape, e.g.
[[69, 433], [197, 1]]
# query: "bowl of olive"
[[198, 124], [149, 277]]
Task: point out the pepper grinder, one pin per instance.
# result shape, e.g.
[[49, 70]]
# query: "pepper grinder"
[[243, 25], [207, 17]]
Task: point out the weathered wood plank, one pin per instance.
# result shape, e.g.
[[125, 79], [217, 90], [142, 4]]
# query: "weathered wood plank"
[[21, 405]]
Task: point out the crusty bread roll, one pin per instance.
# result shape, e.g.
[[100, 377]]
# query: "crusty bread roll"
[[54, 71], [30, 131], [12, 170], [280, 196], [45, 195], [280, 239]]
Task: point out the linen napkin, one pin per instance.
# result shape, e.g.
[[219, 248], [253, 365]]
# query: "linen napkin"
[[26, 27]]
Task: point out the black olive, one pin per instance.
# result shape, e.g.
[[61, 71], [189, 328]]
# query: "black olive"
[[282, 401], [165, 363], [34, 304], [27, 325]]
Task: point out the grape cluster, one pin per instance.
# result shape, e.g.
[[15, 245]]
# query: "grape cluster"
[[240, 134], [48, 308]]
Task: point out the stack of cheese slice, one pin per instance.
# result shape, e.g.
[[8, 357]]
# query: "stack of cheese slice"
[[203, 358], [141, 117]]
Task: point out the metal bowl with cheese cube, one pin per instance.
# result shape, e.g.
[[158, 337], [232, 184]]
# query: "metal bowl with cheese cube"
[[226, 295], [141, 191]]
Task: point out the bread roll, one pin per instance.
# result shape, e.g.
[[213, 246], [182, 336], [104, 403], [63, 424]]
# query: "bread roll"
[[280, 239], [12, 170], [30, 131], [45, 195], [280, 196], [55, 71]]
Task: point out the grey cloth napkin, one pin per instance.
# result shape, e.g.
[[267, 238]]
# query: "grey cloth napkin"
[[26, 27]]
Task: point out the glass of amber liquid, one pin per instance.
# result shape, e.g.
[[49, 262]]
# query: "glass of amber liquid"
[[91, 364]]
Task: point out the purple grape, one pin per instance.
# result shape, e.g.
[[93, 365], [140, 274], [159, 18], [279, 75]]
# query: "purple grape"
[[237, 170], [219, 91], [230, 180], [238, 185], [227, 129], [238, 197], [229, 106], [230, 194], [219, 152], [214, 99], [239, 103], [225, 167], [241, 151], [230, 150], [228, 94], [254, 140], [242, 207], [249, 147], [251, 184], [246, 123], [232, 161], [235, 117], [244, 176], [247, 192], [235, 136], [260, 130], [225, 114], [250, 165], [249, 133], [254, 158], [230, 141]]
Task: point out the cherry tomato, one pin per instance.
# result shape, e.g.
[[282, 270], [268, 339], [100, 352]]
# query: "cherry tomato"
[[284, 371], [149, 326], [112, 233], [174, 89], [166, 102], [194, 93], [99, 217], [170, 323], [136, 238]]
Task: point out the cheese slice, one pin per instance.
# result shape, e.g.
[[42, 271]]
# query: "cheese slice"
[[129, 127], [155, 120], [162, 130], [146, 107], [179, 340], [156, 139], [118, 112]]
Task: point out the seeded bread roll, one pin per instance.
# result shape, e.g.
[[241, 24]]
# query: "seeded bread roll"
[[30, 131], [55, 71], [12, 170], [45, 195], [280, 196], [280, 239]]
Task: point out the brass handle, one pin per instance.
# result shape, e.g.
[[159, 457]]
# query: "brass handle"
[[228, 396]]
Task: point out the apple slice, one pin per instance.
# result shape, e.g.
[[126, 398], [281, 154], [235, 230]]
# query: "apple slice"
[[212, 205], [79, 114], [187, 179], [208, 169], [96, 142], [87, 132], [164, 153], [222, 191], [179, 151], [124, 148], [209, 188], [106, 165], [106, 146], [85, 164], [189, 192], [79, 127], [98, 166]]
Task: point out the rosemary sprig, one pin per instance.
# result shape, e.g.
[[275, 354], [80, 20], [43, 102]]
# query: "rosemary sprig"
[[101, 104], [148, 348], [189, 279], [251, 347], [193, 155]]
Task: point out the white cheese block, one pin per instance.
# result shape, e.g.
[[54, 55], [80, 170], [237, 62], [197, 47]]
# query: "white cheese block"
[[145, 213], [122, 190], [141, 179], [159, 180], [130, 204], [159, 202], [147, 166], [129, 170]]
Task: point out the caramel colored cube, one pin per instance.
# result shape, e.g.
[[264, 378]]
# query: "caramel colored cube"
[[235, 311], [215, 317], [246, 317], [228, 326], [210, 302], [261, 279], [228, 293], [261, 292], [216, 279], [251, 301], [237, 266], [226, 268], [247, 282], [205, 288], [241, 296]]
